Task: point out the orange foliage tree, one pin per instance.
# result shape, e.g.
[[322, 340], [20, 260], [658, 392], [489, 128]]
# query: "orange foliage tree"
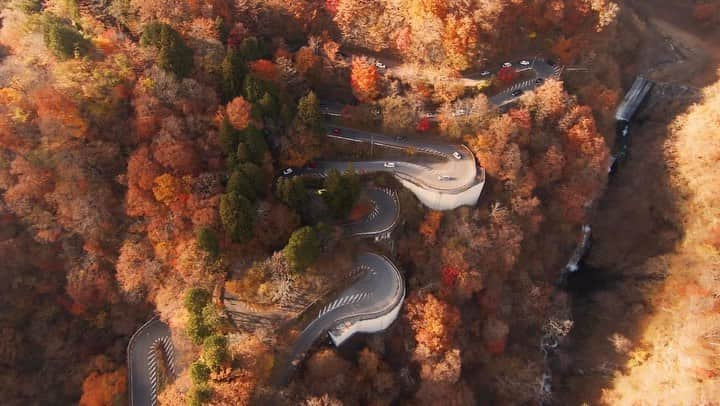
[[433, 321], [264, 69], [104, 389], [459, 39], [364, 79], [429, 227], [238, 112], [58, 114]]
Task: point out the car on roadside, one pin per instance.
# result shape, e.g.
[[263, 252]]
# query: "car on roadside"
[[507, 65], [457, 155], [485, 73], [287, 171], [400, 138], [380, 65], [517, 92], [321, 192], [389, 164], [459, 112], [336, 131], [525, 62]]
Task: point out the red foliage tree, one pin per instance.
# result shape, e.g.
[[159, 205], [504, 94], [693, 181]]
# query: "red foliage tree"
[[449, 276], [423, 125], [264, 69], [507, 74]]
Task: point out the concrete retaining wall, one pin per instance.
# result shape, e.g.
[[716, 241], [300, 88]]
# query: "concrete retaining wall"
[[446, 200]]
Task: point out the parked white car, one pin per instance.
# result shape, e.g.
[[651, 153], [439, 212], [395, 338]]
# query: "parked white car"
[[380, 65], [525, 63], [389, 164], [485, 73], [456, 155], [287, 171], [507, 65]]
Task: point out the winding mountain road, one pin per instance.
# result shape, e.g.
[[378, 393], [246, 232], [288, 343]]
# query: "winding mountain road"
[[373, 301], [383, 215], [369, 305], [543, 69], [148, 348]]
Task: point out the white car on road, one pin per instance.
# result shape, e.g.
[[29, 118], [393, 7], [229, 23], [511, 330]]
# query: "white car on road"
[[525, 63], [380, 65], [389, 164], [485, 73], [507, 65], [287, 171], [456, 155]]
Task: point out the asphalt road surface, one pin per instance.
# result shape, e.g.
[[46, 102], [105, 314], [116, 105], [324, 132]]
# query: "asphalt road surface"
[[144, 361], [379, 289], [447, 174], [543, 69], [383, 215]]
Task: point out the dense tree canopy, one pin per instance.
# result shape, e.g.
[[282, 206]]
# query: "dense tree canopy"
[[303, 248]]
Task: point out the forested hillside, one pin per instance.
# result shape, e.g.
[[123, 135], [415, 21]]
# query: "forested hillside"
[[140, 142]]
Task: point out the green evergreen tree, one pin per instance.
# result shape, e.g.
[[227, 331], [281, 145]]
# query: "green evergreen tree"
[[29, 6], [233, 69], [196, 299], [308, 113], [63, 40], [207, 240], [292, 192], [199, 395], [173, 54], [256, 177], [239, 183], [228, 137], [196, 328], [252, 49], [268, 104], [342, 191], [199, 373], [254, 140], [302, 249], [243, 154], [253, 88], [214, 351], [237, 216]]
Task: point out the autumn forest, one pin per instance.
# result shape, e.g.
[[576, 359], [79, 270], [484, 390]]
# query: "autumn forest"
[[152, 156]]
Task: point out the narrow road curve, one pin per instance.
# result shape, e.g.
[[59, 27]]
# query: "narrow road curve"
[[383, 215], [369, 305], [543, 68], [148, 348], [455, 170]]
